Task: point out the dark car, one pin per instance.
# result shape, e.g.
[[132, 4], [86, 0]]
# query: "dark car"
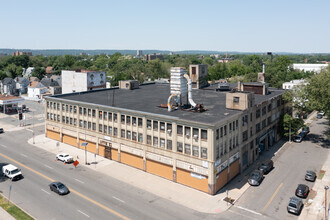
[[255, 178], [266, 166], [295, 205], [59, 188], [298, 138], [1, 130], [305, 130], [319, 116], [310, 176], [302, 191]]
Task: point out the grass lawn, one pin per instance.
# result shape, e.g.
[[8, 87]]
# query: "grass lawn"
[[13, 210]]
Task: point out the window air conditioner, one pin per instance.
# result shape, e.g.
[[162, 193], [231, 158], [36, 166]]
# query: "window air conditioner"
[[195, 136], [169, 131]]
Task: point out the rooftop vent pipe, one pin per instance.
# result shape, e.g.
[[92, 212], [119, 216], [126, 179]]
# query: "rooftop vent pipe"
[[190, 100]]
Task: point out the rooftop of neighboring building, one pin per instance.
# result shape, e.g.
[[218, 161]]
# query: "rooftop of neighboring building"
[[7, 81], [148, 98], [84, 71], [8, 97], [47, 82], [33, 84]]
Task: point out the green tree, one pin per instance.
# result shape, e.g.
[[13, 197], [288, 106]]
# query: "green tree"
[[39, 72], [209, 61], [289, 123], [2, 75], [13, 70]]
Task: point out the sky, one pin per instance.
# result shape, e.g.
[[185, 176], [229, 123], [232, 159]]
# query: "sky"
[[298, 26]]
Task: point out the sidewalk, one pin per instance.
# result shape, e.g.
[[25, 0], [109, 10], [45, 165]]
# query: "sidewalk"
[[5, 215], [175, 192]]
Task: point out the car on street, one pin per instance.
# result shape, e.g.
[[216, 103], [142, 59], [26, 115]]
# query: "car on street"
[[255, 178], [64, 157], [266, 166], [302, 191], [59, 188], [1, 130], [295, 205], [310, 176], [12, 172], [298, 138], [319, 116], [305, 130]]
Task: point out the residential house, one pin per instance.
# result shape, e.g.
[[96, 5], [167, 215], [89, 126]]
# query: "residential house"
[[33, 78], [36, 90], [22, 84], [8, 86], [52, 85]]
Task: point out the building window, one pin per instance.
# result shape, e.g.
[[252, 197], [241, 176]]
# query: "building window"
[[169, 145], [263, 123], [251, 145], [149, 124], [134, 121], [110, 130], [179, 147], [134, 136], [100, 127], [122, 120], [251, 132], [269, 120], [80, 110], [128, 135], [58, 106], [230, 128], [140, 122], [155, 141], [89, 125], [70, 121], [48, 116], [225, 130], [66, 108], [251, 116], [85, 111], [105, 116], [204, 152], [162, 143], [204, 134], [237, 140], [47, 104], [258, 127], [179, 130], [187, 132], [217, 134], [54, 105], [169, 128], [236, 124], [264, 110], [162, 126], [89, 112], [100, 115], [128, 120], [236, 99], [140, 136], [85, 124], [94, 113], [105, 129], [115, 117], [187, 149], [122, 133], [221, 132], [258, 113], [58, 118], [269, 107], [71, 108], [245, 135], [195, 134], [63, 118], [80, 123], [115, 131], [110, 116], [244, 120], [155, 125], [67, 120], [63, 107], [195, 151], [149, 139]]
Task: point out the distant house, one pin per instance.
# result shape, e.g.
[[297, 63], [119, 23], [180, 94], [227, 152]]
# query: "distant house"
[[317, 68], [52, 85], [293, 83], [36, 90], [33, 78], [8, 86], [49, 70], [27, 73], [22, 84]]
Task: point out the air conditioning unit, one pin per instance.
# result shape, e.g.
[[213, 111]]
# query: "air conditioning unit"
[[195, 136], [169, 131]]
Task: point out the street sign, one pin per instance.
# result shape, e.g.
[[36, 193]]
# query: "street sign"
[[57, 144], [75, 163], [84, 144]]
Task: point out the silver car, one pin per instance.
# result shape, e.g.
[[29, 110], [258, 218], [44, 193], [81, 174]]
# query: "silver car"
[[255, 178], [310, 176], [295, 205]]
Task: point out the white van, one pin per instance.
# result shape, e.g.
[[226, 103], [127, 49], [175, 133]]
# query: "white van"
[[11, 172]]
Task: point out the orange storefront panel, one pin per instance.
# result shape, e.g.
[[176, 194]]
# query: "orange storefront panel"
[[186, 178], [132, 160], [53, 135], [91, 147], [101, 150], [233, 169], [160, 169], [114, 155], [70, 140], [221, 179]]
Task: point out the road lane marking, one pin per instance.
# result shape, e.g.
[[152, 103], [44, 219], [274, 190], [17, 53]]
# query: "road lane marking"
[[24, 155], [3, 146], [72, 190], [118, 199], [48, 166], [79, 181], [29, 130], [83, 213], [45, 191], [248, 210], [271, 198]]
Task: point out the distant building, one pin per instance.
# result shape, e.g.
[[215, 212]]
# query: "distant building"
[[309, 67], [49, 70], [225, 60], [139, 53], [22, 84], [8, 86], [19, 53], [36, 90], [293, 83], [82, 80], [198, 75], [154, 56]]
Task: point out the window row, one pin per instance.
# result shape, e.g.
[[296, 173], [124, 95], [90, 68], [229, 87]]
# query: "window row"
[[223, 130]]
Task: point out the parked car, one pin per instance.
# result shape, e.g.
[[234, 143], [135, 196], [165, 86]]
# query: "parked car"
[[295, 205], [298, 138], [12, 172], [1, 130], [255, 178], [305, 130], [310, 176], [64, 157], [59, 188], [266, 166], [302, 191], [319, 116]]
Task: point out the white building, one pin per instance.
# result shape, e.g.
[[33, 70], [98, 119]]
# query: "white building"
[[290, 85], [36, 90], [83, 80], [309, 67]]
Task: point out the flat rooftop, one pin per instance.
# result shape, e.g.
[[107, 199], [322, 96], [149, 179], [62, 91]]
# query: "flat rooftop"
[[149, 97]]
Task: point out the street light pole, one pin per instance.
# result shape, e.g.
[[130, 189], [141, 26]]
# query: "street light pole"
[[33, 126], [325, 201]]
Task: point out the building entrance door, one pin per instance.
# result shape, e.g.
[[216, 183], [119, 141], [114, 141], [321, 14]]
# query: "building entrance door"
[[107, 152]]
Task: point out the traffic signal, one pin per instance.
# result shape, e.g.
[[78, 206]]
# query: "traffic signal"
[[20, 116]]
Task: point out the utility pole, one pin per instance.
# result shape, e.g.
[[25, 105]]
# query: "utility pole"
[[33, 127], [325, 201]]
